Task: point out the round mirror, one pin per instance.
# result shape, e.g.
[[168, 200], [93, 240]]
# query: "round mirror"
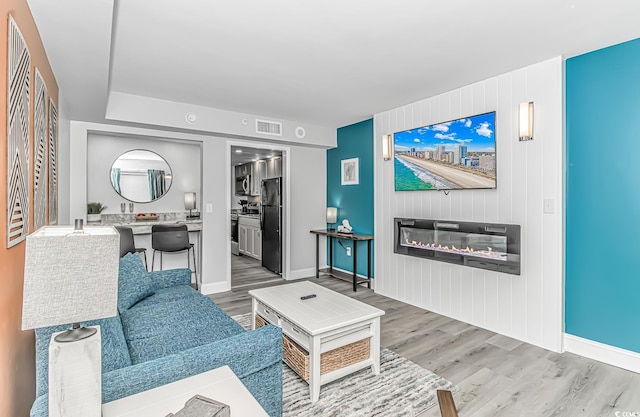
[[141, 176]]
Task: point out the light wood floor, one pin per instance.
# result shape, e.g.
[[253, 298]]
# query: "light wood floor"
[[246, 272], [497, 376]]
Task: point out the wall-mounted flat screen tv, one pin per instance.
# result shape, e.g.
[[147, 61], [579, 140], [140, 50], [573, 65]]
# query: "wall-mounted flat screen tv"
[[455, 155]]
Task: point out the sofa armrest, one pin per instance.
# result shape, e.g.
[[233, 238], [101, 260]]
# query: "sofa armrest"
[[244, 353], [170, 278]]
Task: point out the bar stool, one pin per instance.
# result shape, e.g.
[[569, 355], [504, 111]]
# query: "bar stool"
[[172, 238], [127, 244]]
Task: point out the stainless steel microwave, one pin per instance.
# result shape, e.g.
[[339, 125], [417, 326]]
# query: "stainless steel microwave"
[[243, 185]]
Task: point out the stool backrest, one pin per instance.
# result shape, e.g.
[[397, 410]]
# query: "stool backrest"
[[127, 244], [169, 238]]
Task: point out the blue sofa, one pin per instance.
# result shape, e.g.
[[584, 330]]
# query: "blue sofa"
[[166, 331]]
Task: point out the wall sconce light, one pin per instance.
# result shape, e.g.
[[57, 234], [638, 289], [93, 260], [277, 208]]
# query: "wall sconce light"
[[386, 147], [526, 121], [332, 217]]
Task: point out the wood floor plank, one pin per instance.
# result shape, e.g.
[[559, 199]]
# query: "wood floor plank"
[[497, 376]]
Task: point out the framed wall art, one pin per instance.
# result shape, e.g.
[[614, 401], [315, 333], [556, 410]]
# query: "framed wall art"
[[350, 172], [18, 129]]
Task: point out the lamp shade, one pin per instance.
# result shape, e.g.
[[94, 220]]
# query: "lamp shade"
[[190, 200], [70, 276], [525, 118], [332, 214], [386, 147]]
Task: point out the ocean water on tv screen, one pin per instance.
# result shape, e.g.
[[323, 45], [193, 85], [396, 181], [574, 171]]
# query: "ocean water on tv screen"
[[407, 178]]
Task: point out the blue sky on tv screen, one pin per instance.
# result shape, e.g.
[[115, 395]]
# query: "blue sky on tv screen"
[[476, 132]]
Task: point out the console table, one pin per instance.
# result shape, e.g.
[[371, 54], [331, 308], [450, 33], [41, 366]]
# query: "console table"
[[331, 235]]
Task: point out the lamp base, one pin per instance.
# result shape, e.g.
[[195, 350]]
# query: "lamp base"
[[75, 333], [75, 377]]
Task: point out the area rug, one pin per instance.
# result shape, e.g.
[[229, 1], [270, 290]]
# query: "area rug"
[[403, 389]]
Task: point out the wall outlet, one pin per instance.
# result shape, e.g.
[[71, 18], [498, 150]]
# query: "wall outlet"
[[348, 251]]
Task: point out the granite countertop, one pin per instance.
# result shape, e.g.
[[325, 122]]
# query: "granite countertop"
[[141, 227]]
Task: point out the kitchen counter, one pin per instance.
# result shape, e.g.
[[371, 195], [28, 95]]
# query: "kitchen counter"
[[143, 227]]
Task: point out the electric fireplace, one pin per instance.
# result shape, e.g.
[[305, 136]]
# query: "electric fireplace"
[[491, 246]]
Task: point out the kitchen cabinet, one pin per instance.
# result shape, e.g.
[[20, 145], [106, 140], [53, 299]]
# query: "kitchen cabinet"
[[258, 173], [243, 170], [274, 167], [249, 236]]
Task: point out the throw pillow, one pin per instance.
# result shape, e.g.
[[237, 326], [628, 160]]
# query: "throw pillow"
[[134, 282]]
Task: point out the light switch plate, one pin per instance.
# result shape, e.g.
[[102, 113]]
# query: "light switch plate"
[[209, 207], [549, 206]]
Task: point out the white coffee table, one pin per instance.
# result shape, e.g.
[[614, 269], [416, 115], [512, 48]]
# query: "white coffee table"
[[220, 384], [321, 324]]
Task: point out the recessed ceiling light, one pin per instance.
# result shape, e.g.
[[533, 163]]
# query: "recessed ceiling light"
[[238, 150]]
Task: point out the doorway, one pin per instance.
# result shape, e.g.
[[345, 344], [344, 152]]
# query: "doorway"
[[257, 215]]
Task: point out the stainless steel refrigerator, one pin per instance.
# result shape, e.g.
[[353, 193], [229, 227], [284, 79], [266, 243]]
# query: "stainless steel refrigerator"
[[271, 224]]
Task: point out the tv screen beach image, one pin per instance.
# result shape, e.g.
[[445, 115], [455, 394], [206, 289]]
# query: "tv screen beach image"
[[452, 155]]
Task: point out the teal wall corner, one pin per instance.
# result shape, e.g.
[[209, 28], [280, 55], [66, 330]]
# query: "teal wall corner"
[[354, 202], [603, 195]]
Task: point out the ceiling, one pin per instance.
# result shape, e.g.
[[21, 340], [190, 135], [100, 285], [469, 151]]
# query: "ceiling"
[[244, 154], [329, 63]]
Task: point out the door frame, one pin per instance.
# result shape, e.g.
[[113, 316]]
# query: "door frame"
[[286, 203]]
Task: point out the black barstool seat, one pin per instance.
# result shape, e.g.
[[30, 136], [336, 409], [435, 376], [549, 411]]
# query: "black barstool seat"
[[172, 239], [127, 244]]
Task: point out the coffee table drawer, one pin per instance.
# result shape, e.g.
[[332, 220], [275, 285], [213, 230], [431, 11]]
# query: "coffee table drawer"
[[295, 333], [268, 314]]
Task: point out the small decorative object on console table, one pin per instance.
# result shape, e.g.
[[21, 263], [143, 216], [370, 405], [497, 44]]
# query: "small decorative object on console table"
[[332, 217], [71, 275]]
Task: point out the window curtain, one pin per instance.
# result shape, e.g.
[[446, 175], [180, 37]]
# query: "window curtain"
[[156, 183], [115, 179]]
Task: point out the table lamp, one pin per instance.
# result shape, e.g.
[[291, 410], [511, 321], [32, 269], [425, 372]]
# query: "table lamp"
[[71, 275], [332, 217], [190, 204]]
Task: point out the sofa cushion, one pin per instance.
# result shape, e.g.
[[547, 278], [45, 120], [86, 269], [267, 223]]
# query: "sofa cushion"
[[154, 330], [169, 294], [134, 283], [115, 354]]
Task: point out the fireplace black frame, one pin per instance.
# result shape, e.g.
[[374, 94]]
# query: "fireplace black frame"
[[509, 264]]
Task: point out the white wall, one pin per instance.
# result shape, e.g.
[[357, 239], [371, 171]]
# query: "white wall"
[[64, 130], [528, 307], [306, 193], [183, 157]]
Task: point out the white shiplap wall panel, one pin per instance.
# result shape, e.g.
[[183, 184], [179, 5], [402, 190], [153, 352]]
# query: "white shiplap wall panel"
[[527, 307]]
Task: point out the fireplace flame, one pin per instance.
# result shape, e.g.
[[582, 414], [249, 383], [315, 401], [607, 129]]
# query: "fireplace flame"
[[489, 253]]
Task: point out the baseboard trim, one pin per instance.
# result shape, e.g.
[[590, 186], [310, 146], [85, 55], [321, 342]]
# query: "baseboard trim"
[[611, 355], [302, 273], [215, 287]]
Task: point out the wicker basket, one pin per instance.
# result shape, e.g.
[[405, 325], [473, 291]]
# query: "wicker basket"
[[297, 357]]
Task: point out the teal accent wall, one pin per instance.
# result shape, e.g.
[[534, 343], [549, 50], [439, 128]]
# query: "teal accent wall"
[[354, 202], [603, 196]]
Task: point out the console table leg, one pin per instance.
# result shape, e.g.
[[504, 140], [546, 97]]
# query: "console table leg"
[[355, 265], [369, 263], [317, 256]]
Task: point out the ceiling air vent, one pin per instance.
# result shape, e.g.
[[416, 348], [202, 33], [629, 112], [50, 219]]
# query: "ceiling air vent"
[[269, 128]]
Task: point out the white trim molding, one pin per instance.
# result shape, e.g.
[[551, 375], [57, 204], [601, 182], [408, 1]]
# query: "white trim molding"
[[611, 355], [209, 288]]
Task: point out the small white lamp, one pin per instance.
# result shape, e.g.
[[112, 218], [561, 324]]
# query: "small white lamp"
[[526, 121], [332, 217], [190, 204], [71, 275]]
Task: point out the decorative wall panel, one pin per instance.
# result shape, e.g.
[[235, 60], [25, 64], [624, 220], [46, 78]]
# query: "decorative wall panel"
[[40, 138], [53, 163], [18, 79], [526, 307]]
